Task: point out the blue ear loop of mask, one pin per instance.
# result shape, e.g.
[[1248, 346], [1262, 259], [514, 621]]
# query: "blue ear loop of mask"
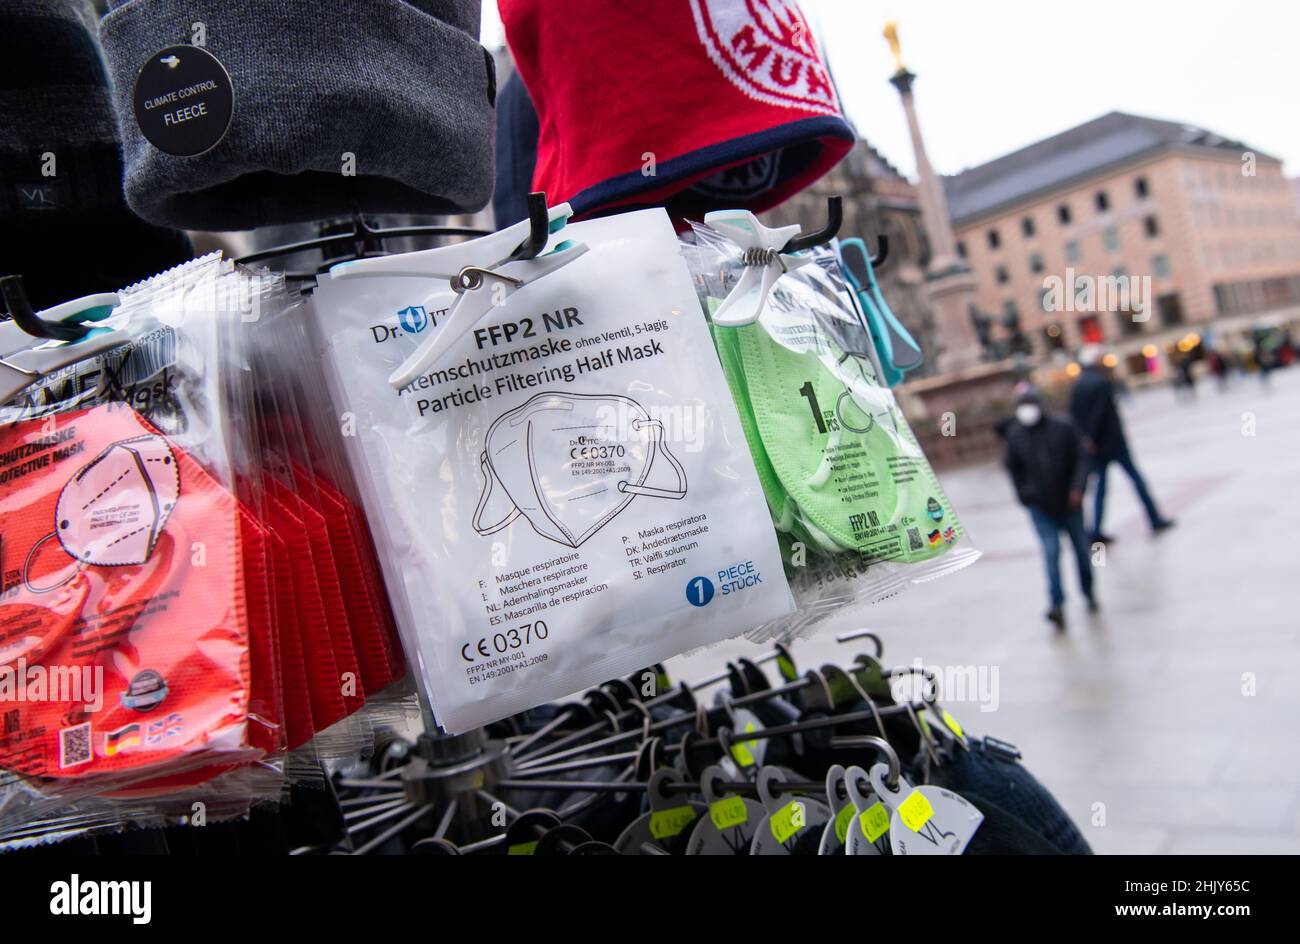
[[898, 351], [25, 359]]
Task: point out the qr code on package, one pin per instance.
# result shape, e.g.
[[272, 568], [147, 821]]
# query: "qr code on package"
[[914, 539], [74, 745]]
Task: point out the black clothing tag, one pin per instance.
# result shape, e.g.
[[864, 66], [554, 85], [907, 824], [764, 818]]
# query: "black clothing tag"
[[183, 100]]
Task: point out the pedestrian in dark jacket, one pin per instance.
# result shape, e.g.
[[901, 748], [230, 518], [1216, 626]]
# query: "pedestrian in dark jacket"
[[1092, 406], [1049, 468]]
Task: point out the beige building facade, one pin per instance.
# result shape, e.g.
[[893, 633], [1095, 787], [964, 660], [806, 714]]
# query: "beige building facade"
[[1129, 232]]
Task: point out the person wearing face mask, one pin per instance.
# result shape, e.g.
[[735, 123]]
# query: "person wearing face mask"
[[1049, 468]]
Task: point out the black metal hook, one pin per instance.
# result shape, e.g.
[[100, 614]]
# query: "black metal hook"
[[859, 264], [20, 310], [355, 238], [882, 251], [834, 217], [539, 223], [863, 634]]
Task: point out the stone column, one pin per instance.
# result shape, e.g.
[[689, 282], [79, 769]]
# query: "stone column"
[[950, 285]]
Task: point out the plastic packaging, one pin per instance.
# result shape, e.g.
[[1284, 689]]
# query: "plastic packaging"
[[351, 660], [126, 649], [563, 494], [321, 469], [858, 510]]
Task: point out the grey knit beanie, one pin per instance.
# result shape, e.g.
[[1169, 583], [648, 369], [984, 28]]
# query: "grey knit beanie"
[[404, 87]]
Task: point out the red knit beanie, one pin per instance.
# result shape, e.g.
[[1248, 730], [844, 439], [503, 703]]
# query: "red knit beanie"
[[694, 104]]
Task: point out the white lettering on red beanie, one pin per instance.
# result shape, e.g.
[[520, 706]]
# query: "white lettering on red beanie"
[[695, 104]]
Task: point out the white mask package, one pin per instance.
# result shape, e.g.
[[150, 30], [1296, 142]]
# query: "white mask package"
[[563, 494]]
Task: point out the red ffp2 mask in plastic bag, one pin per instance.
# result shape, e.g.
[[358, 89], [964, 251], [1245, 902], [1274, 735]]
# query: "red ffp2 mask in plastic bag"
[[140, 599]]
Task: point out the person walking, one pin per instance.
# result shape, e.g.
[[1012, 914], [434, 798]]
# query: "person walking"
[[1092, 406], [1187, 376], [1217, 362], [1049, 469], [1265, 353]]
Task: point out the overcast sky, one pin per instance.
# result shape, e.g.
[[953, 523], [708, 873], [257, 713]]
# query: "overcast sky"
[[996, 75]]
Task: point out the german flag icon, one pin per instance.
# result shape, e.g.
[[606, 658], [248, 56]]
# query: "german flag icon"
[[115, 742]]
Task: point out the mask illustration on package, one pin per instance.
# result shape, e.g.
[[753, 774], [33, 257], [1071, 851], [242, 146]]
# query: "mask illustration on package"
[[826, 443], [112, 512], [570, 462]]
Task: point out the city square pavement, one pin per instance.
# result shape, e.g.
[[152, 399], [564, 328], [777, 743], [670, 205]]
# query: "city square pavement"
[[1167, 722]]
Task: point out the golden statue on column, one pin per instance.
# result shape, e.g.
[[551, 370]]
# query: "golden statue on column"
[[891, 36]]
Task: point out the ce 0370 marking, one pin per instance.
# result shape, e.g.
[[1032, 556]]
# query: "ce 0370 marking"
[[500, 643]]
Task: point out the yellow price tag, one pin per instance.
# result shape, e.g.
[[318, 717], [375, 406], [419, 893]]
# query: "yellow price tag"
[[664, 824], [788, 820], [915, 811], [729, 812], [740, 749], [842, 820], [875, 820], [522, 848], [952, 724]]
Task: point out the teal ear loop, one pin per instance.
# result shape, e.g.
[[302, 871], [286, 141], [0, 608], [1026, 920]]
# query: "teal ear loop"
[[898, 351]]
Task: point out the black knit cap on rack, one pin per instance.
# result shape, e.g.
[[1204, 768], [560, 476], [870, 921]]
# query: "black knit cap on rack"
[[64, 223]]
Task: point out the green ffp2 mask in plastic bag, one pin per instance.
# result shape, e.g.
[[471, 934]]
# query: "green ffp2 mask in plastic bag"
[[842, 472]]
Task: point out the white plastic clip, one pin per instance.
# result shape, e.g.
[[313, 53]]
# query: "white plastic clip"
[[482, 274], [24, 360], [764, 263]]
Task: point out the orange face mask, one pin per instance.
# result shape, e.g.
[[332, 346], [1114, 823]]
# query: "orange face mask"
[[124, 632]]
